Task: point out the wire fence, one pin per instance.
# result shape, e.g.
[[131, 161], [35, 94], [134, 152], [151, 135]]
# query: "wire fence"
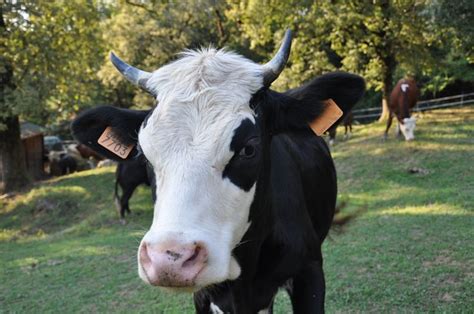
[[371, 114]]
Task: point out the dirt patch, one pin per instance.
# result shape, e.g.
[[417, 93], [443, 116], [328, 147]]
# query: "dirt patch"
[[447, 297], [442, 260], [54, 262], [418, 170]]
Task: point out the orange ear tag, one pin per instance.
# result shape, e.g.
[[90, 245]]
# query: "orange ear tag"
[[111, 142], [330, 115]]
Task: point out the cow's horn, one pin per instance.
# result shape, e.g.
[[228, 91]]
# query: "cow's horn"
[[134, 75], [273, 68]]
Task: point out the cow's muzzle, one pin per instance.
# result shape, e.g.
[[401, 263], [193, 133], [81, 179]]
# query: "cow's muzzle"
[[172, 264]]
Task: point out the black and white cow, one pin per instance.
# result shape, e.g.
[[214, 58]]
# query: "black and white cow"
[[129, 175], [246, 191]]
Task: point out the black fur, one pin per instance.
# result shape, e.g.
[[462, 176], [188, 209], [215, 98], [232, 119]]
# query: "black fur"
[[242, 170], [129, 175], [344, 88], [294, 203], [89, 126], [64, 165]]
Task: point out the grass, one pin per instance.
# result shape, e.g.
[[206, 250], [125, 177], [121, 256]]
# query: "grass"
[[411, 250]]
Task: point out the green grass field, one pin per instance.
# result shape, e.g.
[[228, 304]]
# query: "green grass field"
[[62, 248]]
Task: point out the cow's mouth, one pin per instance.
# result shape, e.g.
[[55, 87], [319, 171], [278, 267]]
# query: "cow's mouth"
[[173, 282]]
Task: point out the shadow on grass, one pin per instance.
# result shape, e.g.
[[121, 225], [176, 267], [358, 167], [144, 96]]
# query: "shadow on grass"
[[80, 202]]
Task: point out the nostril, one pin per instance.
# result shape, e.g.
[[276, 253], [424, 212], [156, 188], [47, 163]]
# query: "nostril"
[[144, 256], [198, 254], [197, 249]]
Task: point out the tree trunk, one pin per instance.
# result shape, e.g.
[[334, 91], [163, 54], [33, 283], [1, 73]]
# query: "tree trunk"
[[390, 65], [389, 62], [12, 157], [13, 173], [385, 100]]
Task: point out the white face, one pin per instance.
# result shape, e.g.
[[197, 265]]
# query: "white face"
[[408, 128], [202, 100]]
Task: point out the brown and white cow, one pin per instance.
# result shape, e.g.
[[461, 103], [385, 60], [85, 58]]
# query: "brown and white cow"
[[402, 100]]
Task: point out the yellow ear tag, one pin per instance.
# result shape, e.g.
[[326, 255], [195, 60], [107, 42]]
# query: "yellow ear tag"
[[111, 142], [330, 115]]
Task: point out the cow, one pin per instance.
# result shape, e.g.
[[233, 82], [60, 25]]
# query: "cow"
[[129, 175], [246, 191], [402, 100], [61, 163], [347, 122]]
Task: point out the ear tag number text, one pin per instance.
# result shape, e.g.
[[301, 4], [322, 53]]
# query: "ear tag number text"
[[111, 142]]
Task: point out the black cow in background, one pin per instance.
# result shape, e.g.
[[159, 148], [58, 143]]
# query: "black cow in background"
[[346, 120], [60, 163], [129, 175]]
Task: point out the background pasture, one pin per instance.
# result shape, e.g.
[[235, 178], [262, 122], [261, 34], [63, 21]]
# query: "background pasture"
[[62, 248]]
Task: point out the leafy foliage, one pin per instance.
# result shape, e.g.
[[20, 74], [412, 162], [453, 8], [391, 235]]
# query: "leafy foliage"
[[54, 50], [58, 50]]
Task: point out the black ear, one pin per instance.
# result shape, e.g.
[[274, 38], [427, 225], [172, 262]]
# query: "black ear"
[[297, 107], [125, 123], [344, 88]]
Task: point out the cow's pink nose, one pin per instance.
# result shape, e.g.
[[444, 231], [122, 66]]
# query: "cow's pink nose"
[[172, 265]]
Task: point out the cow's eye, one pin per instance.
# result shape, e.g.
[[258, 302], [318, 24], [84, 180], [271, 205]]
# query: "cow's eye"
[[247, 152], [250, 149]]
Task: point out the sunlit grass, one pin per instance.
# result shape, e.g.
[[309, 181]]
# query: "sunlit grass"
[[63, 249], [432, 209], [384, 261]]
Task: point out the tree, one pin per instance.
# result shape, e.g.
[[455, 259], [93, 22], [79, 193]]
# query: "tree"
[[374, 39], [11, 153], [54, 54], [455, 56], [50, 54], [371, 39], [263, 30]]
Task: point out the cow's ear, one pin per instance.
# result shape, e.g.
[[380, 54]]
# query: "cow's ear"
[[296, 108], [88, 127]]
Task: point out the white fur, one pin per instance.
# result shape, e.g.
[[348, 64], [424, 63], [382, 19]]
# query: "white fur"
[[202, 98], [408, 128], [404, 87], [215, 309]]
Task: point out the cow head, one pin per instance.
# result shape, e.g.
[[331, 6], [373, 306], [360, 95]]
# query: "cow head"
[[208, 141], [408, 128]]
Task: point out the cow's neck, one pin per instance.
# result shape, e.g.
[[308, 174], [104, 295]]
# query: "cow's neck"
[[404, 111]]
